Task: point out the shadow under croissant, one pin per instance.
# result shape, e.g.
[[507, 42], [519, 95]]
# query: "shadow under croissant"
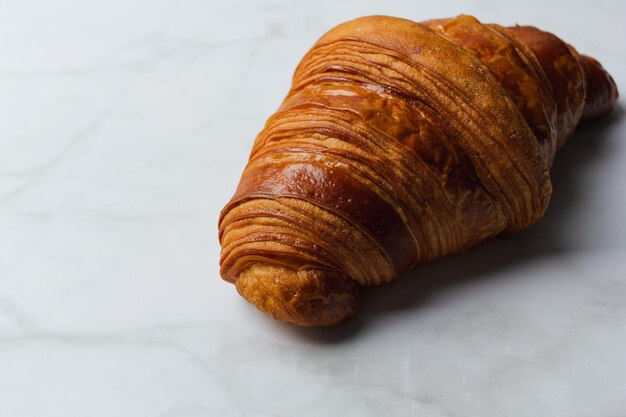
[[572, 163]]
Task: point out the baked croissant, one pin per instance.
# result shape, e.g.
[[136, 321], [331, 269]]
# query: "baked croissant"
[[398, 143]]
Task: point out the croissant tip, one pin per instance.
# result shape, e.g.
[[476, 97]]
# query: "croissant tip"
[[602, 93], [311, 298]]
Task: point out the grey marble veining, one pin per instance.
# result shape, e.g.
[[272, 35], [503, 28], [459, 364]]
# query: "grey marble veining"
[[124, 128]]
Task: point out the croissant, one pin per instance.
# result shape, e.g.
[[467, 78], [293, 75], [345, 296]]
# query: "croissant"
[[398, 143]]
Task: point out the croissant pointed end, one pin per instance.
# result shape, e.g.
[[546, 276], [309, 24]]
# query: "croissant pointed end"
[[311, 298], [601, 89]]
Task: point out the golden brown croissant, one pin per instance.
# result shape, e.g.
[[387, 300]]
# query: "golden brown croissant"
[[398, 143]]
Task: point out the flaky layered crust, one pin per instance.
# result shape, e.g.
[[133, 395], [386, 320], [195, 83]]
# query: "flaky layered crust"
[[398, 143]]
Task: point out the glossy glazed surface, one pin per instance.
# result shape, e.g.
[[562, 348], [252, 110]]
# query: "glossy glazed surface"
[[422, 139]]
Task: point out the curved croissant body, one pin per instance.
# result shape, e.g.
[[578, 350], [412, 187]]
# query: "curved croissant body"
[[398, 143]]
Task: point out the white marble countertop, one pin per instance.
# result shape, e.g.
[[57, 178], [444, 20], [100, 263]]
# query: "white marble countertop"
[[124, 128]]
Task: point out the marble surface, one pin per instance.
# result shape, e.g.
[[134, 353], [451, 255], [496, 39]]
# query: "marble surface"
[[124, 128]]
